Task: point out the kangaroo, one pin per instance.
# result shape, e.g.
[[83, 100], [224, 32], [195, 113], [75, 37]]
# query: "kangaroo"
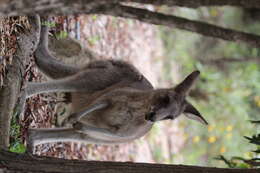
[[112, 102]]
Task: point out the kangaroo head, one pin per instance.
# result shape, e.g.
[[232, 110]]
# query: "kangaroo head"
[[170, 103]]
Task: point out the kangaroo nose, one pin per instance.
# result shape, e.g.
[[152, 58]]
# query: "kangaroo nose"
[[150, 116]]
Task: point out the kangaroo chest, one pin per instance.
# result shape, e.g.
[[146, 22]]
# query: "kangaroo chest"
[[124, 115]]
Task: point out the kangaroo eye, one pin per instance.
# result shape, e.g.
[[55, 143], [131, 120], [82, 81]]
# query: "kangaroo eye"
[[164, 101], [150, 116]]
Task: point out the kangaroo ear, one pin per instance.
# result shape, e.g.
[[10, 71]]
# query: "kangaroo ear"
[[185, 86], [192, 113]]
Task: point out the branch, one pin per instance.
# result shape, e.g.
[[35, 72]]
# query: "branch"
[[234, 60], [224, 61], [200, 3], [18, 163], [180, 23]]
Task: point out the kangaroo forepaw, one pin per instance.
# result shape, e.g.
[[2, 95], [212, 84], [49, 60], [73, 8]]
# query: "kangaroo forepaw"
[[30, 144], [69, 121], [67, 98], [77, 126]]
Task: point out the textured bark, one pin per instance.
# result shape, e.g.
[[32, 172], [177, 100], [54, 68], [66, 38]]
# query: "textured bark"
[[47, 7], [182, 23], [10, 91], [17, 163], [200, 3], [8, 98]]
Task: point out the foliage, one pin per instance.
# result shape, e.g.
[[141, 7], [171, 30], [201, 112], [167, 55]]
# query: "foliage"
[[240, 162], [61, 35], [230, 91], [16, 143]]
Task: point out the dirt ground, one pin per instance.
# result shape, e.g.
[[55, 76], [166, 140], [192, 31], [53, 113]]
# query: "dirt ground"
[[110, 37]]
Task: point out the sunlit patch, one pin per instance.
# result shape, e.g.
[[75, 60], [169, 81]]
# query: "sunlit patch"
[[212, 139], [229, 128], [257, 100], [210, 128], [222, 149], [195, 139], [227, 89], [248, 155], [229, 135]]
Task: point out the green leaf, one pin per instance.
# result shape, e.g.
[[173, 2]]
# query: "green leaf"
[[18, 148], [48, 23], [255, 139], [256, 151], [62, 35]]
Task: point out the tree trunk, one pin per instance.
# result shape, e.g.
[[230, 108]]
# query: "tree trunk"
[[54, 7], [8, 99], [10, 92], [202, 3], [114, 8], [21, 163]]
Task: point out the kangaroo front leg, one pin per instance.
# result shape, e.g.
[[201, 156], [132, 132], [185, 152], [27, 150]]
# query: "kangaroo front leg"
[[73, 118], [97, 132]]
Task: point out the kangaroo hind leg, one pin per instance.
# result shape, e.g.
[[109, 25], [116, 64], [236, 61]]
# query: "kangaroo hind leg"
[[41, 136]]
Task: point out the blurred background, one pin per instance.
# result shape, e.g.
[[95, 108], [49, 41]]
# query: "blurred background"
[[227, 93], [228, 90]]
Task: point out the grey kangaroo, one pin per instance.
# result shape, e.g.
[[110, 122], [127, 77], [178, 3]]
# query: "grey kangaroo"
[[112, 102]]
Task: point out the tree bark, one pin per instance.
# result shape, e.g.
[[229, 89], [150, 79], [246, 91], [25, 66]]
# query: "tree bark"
[[8, 99], [50, 7], [10, 92], [21, 163], [201, 3]]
